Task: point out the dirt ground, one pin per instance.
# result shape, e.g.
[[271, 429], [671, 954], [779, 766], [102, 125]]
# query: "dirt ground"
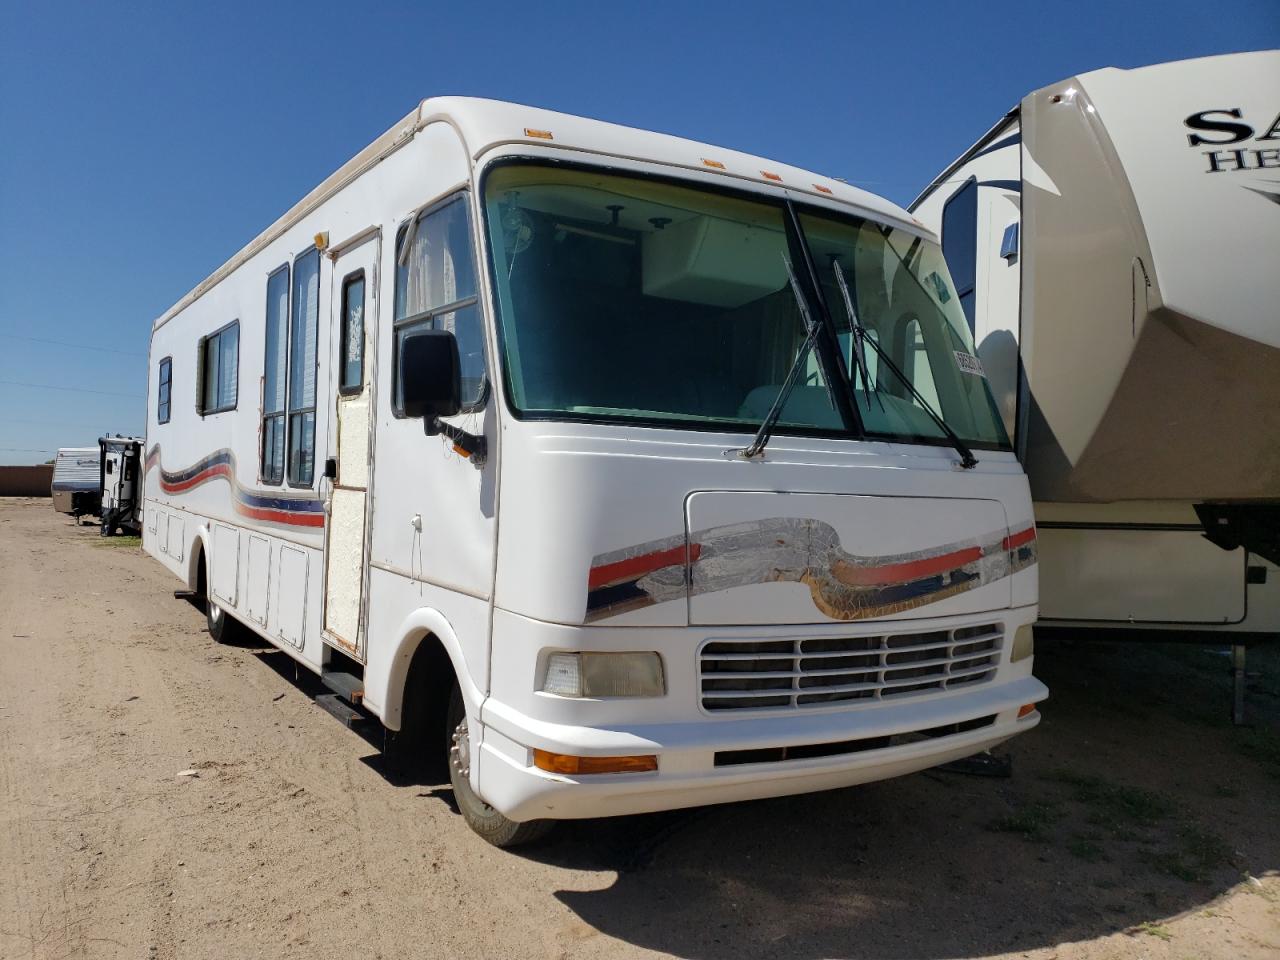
[[1138, 822]]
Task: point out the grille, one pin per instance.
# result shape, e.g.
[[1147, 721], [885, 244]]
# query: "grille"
[[819, 671]]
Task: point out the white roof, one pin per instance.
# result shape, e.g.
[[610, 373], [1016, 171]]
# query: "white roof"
[[485, 124]]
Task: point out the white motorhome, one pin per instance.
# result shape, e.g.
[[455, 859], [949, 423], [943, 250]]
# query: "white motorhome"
[[556, 444], [1114, 239]]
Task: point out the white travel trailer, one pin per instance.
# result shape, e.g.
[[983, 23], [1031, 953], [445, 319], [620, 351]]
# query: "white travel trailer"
[[538, 438], [76, 486], [1114, 240]]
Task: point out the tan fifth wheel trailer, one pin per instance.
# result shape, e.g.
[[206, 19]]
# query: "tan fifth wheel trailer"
[[1113, 240]]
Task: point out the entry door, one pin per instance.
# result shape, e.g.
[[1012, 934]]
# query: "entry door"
[[355, 306]]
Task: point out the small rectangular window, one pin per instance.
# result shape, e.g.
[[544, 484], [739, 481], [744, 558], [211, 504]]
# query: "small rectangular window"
[[304, 321], [164, 390], [436, 289], [219, 370], [274, 373], [960, 244], [351, 380]]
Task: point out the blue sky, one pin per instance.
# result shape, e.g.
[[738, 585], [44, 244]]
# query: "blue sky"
[[141, 145]]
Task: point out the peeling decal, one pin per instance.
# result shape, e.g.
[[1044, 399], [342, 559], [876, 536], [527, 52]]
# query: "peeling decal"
[[799, 550], [301, 509]]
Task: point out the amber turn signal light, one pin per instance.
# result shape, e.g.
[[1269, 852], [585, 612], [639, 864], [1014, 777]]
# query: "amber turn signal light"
[[1026, 710], [563, 763]]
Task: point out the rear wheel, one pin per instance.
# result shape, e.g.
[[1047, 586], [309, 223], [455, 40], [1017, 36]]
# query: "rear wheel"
[[480, 817]]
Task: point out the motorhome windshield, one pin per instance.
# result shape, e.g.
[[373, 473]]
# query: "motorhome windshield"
[[628, 298]]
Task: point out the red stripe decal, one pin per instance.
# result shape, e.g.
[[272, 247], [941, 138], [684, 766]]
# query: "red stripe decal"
[[847, 573], [1015, 540], [281, 516], [220, 469], [634, 567]]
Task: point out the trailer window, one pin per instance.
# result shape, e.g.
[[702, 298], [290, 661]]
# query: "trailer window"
[[274, 376], [164, 390], [436, 289], [960, 245], [351, 380], [219, 368], [303, 331]]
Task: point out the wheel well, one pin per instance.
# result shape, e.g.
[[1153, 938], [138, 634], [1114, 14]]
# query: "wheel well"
[[200, 580], [422, 739]]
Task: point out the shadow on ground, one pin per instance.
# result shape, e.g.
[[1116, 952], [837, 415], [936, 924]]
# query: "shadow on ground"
[[1134, 801]]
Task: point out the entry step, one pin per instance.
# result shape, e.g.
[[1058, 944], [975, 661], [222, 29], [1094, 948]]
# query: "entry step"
[[348, 686], [335, 706]]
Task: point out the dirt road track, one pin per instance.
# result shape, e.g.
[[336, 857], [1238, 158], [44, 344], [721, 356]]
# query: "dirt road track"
[[1128, 830]]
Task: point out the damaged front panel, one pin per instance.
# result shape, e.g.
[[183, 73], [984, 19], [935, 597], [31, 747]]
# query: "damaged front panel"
[[842, 585]]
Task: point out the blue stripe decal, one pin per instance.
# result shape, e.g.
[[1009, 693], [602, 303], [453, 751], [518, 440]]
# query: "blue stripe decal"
[[999, 145]]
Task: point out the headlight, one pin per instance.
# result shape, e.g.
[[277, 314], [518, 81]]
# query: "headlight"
[[1023, 644], [604, 675]]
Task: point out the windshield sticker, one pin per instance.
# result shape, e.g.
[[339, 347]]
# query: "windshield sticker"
[[969, 364], [939, 287]]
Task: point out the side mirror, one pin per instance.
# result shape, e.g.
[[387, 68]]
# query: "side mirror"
[[430, 376]]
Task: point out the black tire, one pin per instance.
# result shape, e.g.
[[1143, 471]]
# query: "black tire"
[[215, 618], [480, 817]]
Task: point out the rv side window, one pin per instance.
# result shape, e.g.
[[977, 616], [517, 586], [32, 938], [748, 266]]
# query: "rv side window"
[[273, 378], [436, 288], [303, 330], [960, 244], [351, 380], [219, 366], [164, 390]]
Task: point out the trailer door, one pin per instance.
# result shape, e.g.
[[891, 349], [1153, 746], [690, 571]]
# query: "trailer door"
[[354, 332]]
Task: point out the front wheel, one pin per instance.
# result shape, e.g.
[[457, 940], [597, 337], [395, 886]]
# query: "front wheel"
[[216, 618], [480, 817]]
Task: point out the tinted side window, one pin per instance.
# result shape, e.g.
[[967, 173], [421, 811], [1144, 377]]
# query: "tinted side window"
[[164, 390], [219, 370], [960, 244], [273, 380], [351, 377], [303, 330], [436, 289]]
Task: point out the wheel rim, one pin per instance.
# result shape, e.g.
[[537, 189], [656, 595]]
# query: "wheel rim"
[[460, 750], [215, 612]]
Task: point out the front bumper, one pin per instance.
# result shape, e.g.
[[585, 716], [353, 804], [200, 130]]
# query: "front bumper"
[[688, 774]]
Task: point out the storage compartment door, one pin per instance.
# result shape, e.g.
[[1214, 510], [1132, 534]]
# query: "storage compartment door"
[[1139, 576]]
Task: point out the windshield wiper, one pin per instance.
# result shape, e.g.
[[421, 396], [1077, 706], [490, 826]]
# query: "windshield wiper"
[[967, 459], [860, 336], [756, 448]]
